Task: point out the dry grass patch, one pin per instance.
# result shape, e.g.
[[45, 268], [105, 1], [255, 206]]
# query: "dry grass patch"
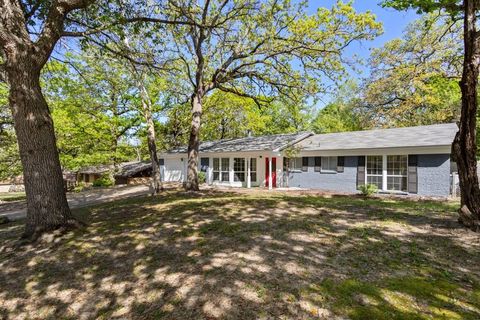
[[262, 255]]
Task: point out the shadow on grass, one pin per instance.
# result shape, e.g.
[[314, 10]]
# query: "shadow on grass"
[[230, 256]]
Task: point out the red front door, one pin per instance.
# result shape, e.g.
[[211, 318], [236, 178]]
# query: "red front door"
[[274, 172]]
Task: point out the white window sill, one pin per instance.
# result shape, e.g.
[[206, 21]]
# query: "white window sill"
[[328, 171]]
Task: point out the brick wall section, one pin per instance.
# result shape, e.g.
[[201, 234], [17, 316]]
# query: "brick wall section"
[[434, 175], [341, 182]]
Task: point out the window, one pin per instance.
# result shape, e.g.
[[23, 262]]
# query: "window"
[[253, 170], [375, 171], [216, 169], [239, 169], [295, 164], [329, 164], [318, 164], [161, 161], [204, 164], [221, 169], [225, 175], [397, 173]]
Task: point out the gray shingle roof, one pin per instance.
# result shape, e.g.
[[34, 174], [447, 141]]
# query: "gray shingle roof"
[[124, 169], [260, 143], [96, 169], [421, 136], [129, 169]]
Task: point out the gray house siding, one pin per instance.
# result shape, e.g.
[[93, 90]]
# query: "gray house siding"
[[345, 181], [434, 175]]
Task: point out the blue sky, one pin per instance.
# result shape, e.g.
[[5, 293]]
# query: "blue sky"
[[394, 23]]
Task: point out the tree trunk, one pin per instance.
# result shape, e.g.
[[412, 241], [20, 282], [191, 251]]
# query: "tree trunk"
[[464, 145], [152, 146], [193, 144], [47, 207]]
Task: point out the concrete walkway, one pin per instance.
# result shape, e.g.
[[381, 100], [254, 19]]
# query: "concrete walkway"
[[88, 198]]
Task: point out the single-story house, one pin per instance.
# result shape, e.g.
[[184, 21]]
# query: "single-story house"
[[92, 173], [124, 173], [411, 160]]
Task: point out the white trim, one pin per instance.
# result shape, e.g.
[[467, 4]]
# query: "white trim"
[[269, 173], [396, 176], [373, 175], [249, 182], [384, 172], [319, 153], [378, 151]]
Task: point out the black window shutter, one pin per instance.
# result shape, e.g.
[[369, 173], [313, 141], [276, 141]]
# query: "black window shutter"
[[412, 173], [318, 164], [304, 164], [361, 171], [340, 164]]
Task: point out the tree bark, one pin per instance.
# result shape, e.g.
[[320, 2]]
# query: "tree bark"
[[47, 207], [152, 145], [464, 145], [193, 144]]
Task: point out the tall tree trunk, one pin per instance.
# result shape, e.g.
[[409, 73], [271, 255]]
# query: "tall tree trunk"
[[47, 207], [152, 145], [464, 145], [193, 144]]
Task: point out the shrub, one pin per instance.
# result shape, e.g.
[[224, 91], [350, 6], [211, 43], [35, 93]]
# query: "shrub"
[[79, 187], [368, 189], [106, 180], [202, 177]]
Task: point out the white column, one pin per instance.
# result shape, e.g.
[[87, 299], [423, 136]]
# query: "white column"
[[280, 172], [249, 182], [269, 173], [210, 171], [384, 173], [232, 174]]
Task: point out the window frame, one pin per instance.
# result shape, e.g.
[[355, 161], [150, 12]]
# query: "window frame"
[[253, 173], [238, 163], [220, 171], [403, 175], [329, 164], [376, 175], [295, 164], [385, 174]]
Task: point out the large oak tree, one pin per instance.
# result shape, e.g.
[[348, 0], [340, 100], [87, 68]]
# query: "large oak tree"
[[254, 48], [29, 31]]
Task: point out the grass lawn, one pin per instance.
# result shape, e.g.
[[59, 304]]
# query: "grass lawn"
[[259, 255], [12, 196]]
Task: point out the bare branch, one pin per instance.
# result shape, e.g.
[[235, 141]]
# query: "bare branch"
[[54, 25]]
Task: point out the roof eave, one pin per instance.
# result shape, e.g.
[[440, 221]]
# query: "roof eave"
[[297, 140]]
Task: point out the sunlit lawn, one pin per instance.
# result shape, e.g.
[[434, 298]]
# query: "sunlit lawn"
[[248, 256]]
